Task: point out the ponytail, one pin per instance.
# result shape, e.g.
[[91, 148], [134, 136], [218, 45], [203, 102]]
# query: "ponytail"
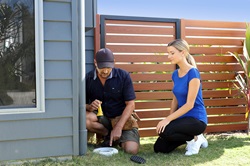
[[190, 59]]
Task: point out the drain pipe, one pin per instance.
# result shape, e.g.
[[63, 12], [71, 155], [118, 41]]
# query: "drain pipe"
[[82, 97]]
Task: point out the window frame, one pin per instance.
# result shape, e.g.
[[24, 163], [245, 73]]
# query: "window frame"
[[39, 66]]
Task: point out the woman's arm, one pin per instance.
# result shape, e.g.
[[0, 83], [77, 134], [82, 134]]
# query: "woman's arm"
[[194, 86], [174, 105]]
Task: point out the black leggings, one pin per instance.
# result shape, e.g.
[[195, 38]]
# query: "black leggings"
[[177, 132]]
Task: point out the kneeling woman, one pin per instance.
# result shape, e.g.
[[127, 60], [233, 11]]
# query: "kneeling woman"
[[188, 118]]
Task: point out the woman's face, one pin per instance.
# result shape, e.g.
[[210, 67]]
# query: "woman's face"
[[174, 55]]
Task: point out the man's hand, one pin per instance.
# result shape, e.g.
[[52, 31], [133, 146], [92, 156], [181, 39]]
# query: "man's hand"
[[115, 135], [94, 105]]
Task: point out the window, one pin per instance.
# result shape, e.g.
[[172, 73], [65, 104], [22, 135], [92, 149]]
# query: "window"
[[21, 56]]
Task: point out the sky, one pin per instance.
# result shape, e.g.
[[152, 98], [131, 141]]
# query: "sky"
[[214, 10]]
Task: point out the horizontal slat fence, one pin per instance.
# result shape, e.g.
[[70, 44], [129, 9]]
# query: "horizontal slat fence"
[[209, 43], [139, 46]]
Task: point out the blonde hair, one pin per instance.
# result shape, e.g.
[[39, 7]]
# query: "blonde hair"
[[182, 45]]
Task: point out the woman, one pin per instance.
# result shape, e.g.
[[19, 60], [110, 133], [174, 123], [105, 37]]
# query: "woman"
[[188, 118]]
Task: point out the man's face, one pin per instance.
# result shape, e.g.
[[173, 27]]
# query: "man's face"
[[104, 72]]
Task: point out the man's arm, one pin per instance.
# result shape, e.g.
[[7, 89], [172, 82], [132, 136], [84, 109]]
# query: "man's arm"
[[117, 129], [130, 107]]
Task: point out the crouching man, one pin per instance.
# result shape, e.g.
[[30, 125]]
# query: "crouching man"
[[111, 89]]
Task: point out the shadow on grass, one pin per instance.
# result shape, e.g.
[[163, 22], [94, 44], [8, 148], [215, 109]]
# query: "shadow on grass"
[[223, 150], [218, 144]]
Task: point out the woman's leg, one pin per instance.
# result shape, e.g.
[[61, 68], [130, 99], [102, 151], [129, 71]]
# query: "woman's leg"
[[164, 146], [183, 129], [177, 133]]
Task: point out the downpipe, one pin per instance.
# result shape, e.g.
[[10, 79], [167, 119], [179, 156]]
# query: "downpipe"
[[82, 96]]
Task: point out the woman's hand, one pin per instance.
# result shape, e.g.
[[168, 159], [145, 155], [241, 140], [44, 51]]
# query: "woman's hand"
[[161, 125]]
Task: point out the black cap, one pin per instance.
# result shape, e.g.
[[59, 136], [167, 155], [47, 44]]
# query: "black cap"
[[105, 58]]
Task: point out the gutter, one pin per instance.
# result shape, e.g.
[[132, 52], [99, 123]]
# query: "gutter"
[[82, 113]]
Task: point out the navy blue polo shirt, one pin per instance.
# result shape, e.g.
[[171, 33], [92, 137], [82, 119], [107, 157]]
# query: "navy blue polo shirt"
[[117, 90]]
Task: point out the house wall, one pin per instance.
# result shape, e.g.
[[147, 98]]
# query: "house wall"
[[90, 49], [54, 132]]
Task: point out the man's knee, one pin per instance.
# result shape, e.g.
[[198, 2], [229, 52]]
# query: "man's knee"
[[90, 118], [130, 147]]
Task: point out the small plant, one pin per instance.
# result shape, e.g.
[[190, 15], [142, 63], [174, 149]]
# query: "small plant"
[[244, 79]]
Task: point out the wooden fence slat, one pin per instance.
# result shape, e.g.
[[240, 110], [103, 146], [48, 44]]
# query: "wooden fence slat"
[[153, 105], [212, 50], [146, 67], [214, 41], [225, 128], [119, 38], [148, 133], [153, 95], [139, 30], [150, 77], [219, 93], [214, 24], [217, 33], [132, 48], [227, 119], [141, 58], [215, 58], [225, 102], [218, 76], [226, 110], [148, 123], [131, 22], [153, 86], [150, 114], [216, 85], [219, 67]]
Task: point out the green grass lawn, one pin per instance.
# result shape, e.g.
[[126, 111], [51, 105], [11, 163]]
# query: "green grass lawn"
[[223, 150]]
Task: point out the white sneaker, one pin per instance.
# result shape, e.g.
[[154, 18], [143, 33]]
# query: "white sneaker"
[[204, 143], [188, 145], [193, 147]]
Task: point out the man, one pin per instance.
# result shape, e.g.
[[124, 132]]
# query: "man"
[[112, 89]]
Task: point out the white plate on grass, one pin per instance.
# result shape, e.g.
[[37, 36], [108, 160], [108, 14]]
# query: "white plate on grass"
[[106, 151]]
